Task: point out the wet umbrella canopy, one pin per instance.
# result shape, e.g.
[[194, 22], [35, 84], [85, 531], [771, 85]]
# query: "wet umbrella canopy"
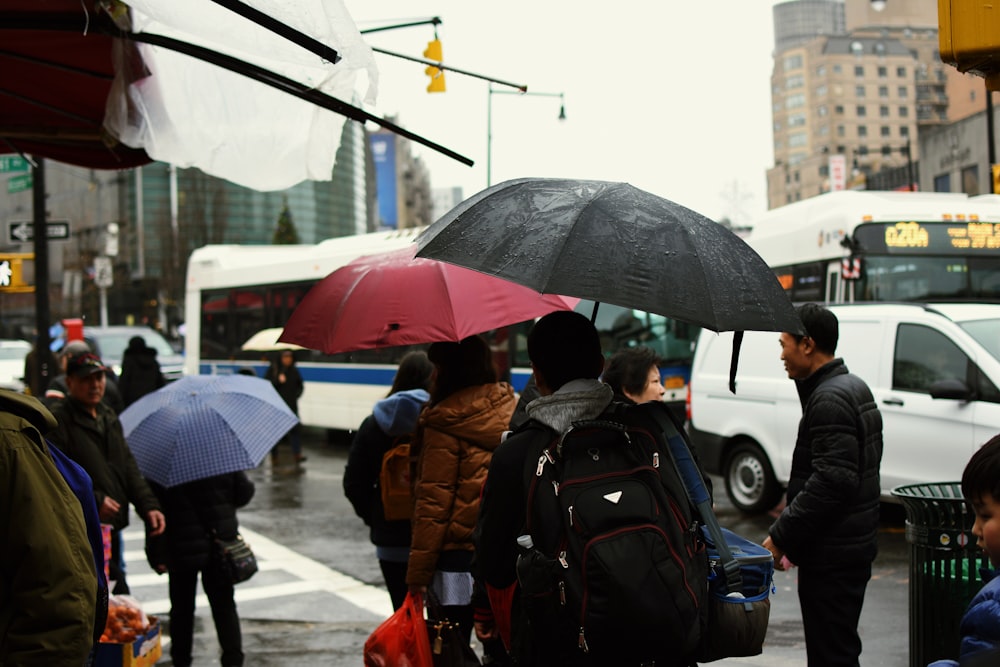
[[205, 425], [393, 299], [615, 243]]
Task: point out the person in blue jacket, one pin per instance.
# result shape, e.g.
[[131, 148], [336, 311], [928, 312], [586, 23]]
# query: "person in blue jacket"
[[980, 627], [393, 418]]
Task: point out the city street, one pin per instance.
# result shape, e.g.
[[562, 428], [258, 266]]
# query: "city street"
[[319, 594]]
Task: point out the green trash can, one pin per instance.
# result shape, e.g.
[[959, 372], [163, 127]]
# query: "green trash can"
[[944, 567]]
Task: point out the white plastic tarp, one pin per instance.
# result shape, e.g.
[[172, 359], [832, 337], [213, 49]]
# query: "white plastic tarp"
[[192, 113]]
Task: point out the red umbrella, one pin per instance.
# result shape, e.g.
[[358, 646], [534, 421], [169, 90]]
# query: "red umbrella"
[[394, 299]]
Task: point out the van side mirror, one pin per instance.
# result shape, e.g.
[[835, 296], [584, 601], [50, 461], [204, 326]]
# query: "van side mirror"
[[951, 388]]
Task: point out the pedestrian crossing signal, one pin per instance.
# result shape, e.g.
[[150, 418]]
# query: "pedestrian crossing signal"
[[433, 52], [12, 272]]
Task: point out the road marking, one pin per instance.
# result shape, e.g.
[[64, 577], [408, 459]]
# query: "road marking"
[[312, 576]]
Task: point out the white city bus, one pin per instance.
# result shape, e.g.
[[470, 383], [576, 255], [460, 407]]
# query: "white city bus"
[[234, 291], [884, 246]]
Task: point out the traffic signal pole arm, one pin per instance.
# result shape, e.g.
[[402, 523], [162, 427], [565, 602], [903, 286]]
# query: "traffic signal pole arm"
[[435, 21], [447, 68]]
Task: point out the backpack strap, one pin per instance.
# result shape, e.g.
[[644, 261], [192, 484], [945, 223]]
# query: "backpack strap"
[[697, 492]]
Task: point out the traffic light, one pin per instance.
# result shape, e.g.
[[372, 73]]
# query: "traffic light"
[[433, 52], [996, 178], [969, 38], [12, 272]]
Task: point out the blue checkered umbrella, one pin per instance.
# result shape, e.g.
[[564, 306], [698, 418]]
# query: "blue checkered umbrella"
[[205, 425]]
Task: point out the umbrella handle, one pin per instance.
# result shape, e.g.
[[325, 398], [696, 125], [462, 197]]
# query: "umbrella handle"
[[593, 315]]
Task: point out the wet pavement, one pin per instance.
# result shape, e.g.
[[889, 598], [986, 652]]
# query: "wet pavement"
[[319, 591]]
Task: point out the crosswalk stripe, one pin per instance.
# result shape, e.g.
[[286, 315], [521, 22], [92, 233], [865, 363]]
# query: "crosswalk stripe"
[[312, 576]]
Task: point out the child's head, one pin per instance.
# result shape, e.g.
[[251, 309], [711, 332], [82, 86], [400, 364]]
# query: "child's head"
[[981, 487]]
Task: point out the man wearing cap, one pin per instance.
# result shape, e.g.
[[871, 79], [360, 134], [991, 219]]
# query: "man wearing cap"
[[89, 432], [58, 390]]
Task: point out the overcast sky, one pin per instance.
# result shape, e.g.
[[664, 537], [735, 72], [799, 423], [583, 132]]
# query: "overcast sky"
[[672, 97]]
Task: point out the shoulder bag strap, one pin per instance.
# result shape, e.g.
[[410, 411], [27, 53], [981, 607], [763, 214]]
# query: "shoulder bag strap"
[[694, 484]]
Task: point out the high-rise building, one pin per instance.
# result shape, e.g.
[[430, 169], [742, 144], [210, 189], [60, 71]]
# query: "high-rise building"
[[851, 88], [799, 21]]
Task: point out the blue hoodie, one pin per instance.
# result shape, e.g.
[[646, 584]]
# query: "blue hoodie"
[[980, 626], [397, 414]]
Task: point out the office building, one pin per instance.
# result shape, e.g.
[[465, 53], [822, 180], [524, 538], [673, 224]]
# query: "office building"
[[849, 105]]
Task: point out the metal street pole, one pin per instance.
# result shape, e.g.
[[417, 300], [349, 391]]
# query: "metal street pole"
[[489, 121], [41, 245]]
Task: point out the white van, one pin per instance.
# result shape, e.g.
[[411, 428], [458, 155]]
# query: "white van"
[[934, 371]]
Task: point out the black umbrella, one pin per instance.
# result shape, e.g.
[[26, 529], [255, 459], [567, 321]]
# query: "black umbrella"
[[614, 243]]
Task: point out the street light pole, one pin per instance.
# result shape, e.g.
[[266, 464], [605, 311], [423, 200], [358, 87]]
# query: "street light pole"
[[489, 121]]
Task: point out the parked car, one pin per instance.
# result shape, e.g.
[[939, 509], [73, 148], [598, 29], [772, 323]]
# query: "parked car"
[[109, 343], [12, 354], [934, 371]]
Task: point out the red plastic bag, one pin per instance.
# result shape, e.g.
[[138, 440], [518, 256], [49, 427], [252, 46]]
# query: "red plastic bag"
[[401, 640]]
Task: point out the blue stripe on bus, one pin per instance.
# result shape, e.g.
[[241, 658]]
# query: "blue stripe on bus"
[[339, 374]]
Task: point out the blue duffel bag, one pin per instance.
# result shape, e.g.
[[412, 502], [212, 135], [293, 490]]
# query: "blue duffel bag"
[[739, 603]]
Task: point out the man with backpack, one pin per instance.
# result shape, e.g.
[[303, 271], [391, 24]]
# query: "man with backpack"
[[588, 557]]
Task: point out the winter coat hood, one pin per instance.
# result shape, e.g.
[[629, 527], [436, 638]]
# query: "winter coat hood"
[[397, 414], [575, 400], [473, 414], [29, 408]]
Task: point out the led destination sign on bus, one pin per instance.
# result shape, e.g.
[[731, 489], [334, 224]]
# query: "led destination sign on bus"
[[929, 238]]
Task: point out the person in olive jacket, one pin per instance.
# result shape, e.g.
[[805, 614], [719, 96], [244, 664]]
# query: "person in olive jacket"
[[48, 578], [89, 432], [197, 510]]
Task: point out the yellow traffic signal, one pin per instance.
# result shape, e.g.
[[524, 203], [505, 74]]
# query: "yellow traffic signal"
[[433, 52], [12, 272], [969, 38], [996, 179]]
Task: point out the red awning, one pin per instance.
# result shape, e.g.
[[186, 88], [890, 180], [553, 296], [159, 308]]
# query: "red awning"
[[55, 74]]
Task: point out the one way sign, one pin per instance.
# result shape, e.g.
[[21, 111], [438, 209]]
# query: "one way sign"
[[24, 231]]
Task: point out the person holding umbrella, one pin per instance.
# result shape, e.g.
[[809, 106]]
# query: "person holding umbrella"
[[457, 434], [89, 432], [198, 511]]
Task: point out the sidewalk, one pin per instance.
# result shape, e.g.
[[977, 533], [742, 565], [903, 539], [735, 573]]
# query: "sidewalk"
[[302, 609]]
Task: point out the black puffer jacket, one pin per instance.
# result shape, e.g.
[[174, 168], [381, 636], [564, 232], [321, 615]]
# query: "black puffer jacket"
[[193, 510], [834, 488]]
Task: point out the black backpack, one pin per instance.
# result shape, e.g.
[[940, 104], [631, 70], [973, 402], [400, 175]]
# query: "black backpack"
[[612, 551]]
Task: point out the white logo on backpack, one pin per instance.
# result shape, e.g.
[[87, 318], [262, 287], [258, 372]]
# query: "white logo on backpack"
[[613, 497]]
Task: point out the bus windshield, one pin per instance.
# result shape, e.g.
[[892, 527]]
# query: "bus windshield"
[[897, 278]]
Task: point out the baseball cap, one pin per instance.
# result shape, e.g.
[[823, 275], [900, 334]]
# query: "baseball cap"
[[74, 347], [84, 364]]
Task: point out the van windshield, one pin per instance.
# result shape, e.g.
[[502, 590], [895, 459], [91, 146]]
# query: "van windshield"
[[986, 333]]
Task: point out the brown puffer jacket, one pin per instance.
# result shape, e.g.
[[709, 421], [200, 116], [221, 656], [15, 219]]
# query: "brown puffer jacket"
[[455, 441]]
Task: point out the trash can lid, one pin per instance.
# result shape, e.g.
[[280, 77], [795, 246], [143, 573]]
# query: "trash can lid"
[[938, 505]]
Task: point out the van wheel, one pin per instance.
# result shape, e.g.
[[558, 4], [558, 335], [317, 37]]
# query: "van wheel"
[[750, 481]]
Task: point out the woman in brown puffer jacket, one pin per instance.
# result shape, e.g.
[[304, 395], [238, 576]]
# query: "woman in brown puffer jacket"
[[456, 435]]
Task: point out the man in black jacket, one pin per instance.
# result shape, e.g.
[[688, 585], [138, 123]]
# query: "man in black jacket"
[[829, 526], [89, 432]]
